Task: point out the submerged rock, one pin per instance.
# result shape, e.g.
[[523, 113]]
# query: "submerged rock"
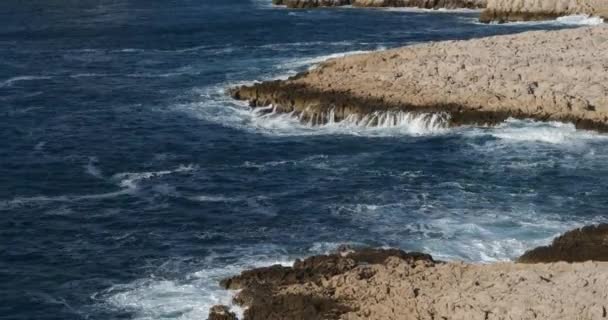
[[542, 75], [588, 243], [530, 10]]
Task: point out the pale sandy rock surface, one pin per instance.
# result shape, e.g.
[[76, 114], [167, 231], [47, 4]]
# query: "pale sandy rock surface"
[[544, 75], [514, 10], [425, 4], [401, 290], [391, 284]]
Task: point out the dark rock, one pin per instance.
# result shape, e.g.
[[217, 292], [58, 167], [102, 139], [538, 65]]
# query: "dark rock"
[[220, 312], [315, 106], [490, 15], [260, 287], [587, 243]]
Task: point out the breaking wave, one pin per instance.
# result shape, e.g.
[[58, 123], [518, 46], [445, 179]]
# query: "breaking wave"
[[186, 296], [571, 20], [551, 133], [128, 181], [380, 123]]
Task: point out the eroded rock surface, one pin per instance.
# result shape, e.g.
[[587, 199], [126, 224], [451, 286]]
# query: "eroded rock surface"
[[395, 285], [544, 75], [263, 290], [588, 243], [526, 10], [424, 4]]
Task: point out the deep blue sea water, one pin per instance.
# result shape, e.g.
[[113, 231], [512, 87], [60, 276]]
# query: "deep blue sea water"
[[130, 184]]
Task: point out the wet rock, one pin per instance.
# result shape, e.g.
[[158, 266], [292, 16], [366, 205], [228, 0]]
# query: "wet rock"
[[220, 312], [588, 243], [474, 82]]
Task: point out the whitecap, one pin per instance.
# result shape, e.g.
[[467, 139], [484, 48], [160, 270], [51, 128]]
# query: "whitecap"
[[25, 201], [580, 20], [551, 132], [92, 169], [423, 10], [189, 296], [9, 82], [387, 123], [129, 180], [570, 20], [212, 198]]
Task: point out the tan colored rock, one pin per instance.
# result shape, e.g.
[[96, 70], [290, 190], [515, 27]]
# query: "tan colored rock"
[[525, 10], [543, 75], [424, 4]]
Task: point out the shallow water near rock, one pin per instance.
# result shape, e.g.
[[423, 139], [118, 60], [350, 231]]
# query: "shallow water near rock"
[[131, 183]]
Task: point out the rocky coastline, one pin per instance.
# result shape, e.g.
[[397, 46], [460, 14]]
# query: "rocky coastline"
[[531, 10], [422, 4], [394, 284], [542, 75], [500, 11]]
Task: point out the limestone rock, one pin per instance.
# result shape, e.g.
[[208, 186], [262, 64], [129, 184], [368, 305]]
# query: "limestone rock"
[[543, 75], [525, 10]]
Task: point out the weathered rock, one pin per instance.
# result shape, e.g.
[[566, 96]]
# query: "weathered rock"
[[588, 243], [542, 75], [261, 288], [529, 10], [220, 312], [394, 285], [425, 4]]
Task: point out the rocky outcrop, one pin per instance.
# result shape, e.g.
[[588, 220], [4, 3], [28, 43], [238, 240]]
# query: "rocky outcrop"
[[423, 4], [311, 3], [392, 284], [262, 289], [543, 75], [220, 312], [527, 10], [588, 243]]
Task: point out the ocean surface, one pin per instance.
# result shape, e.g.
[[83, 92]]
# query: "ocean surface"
[[130, 183]]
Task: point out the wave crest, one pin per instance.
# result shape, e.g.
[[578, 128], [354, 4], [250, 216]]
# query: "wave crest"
[[379, 123]]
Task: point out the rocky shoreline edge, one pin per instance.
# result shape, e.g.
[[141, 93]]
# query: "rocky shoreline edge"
[[500, 11], [541, 75], [422, 4], [565, 280]]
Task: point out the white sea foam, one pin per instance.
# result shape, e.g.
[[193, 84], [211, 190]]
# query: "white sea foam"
[[129, 180], [422, 10], [188, 297], [571, 20], [9, 82], [25, 201], [580, 20], [92, 169], [210, 198], [388, 123], [438, 224], [556, 133]]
